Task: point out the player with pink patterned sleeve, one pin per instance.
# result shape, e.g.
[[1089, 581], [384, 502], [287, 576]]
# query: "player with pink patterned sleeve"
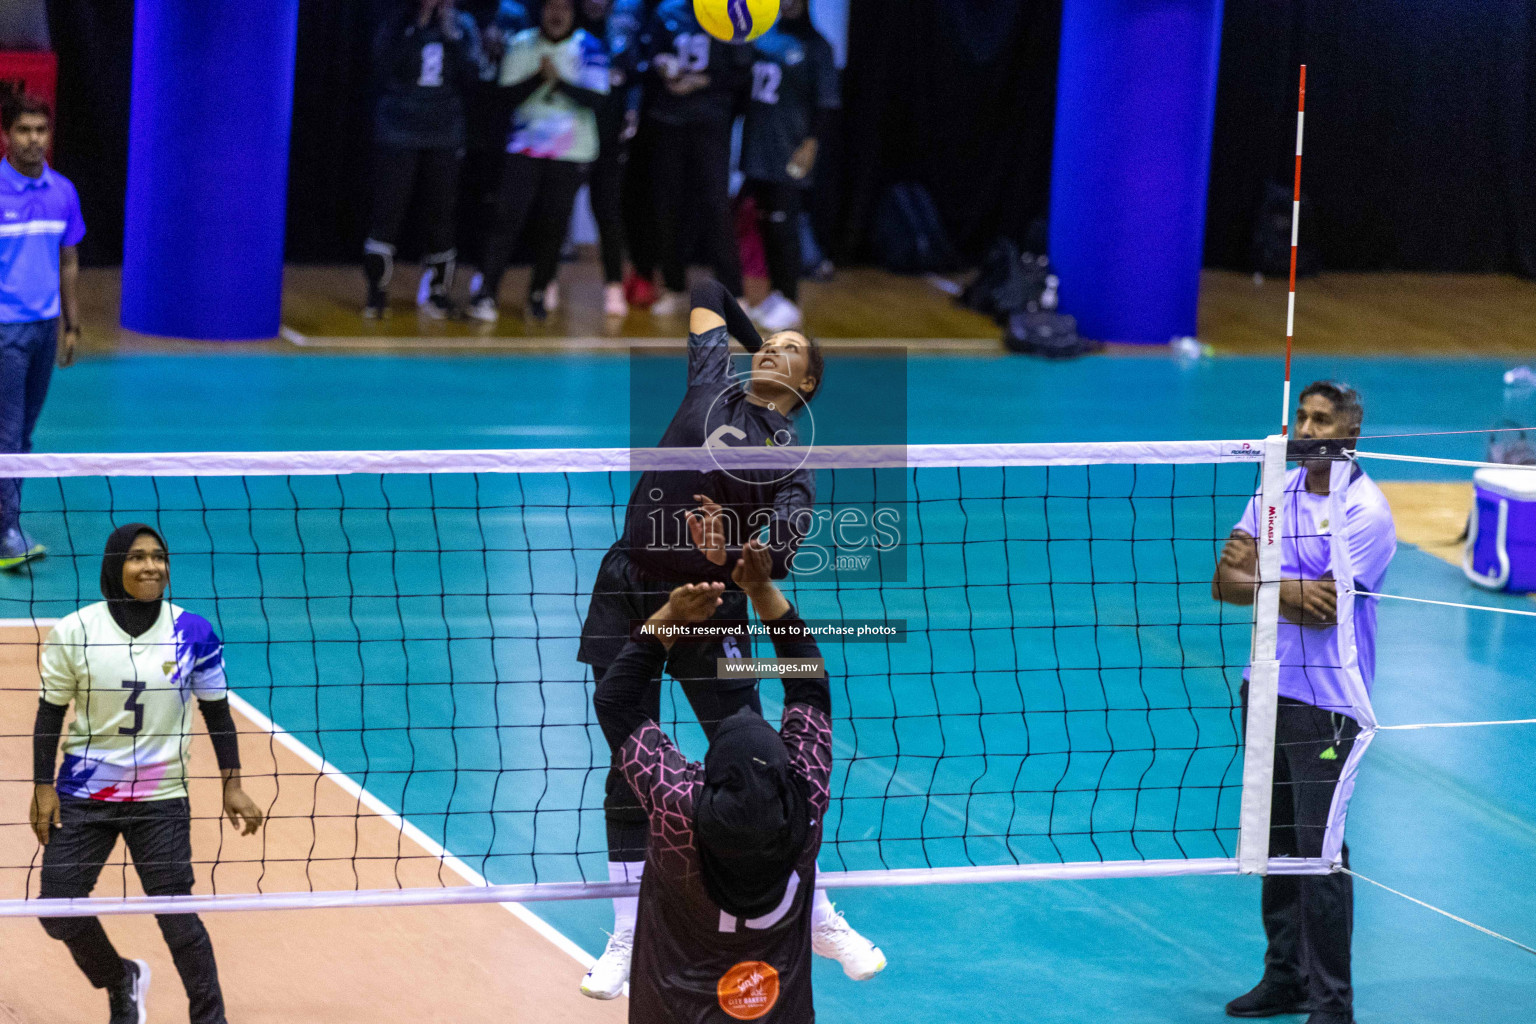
[[724, 929]]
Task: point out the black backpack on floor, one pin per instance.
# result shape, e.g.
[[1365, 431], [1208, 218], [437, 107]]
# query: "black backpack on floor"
[[1011, 282], [909, 238], [1051, 335]]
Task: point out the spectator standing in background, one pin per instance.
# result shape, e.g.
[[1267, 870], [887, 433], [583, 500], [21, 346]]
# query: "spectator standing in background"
[[794, 91], [557, 75], [618, 24], [511, 18], [486, 133], [427, 59], [40, 226], [695, 82]]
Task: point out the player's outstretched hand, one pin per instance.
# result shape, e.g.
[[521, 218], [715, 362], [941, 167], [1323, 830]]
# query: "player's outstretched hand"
[[241, 809], [45, 811], [755, 566], [706, 527], [695, 602]]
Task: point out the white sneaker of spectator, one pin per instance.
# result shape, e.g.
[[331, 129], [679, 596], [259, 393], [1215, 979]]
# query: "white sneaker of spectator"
[[614, 303], [670, 304], [483, 309], [779, 314]]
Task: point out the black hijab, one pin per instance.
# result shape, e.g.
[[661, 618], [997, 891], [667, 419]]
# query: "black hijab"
[[134, 616], [752, 818]]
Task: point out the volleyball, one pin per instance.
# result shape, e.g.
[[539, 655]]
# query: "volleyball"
[[736, 21]]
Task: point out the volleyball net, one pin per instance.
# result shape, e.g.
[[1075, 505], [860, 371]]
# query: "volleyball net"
[[1030, 676]]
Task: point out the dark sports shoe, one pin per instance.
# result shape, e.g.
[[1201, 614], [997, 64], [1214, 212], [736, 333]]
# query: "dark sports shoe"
[[376, 307], [536, 309], [1327, 1017], [129, 1004], [1268, 999], [437, 307]]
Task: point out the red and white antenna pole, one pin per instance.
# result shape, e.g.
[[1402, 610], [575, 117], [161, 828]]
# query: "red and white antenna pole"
[[1290, 308]]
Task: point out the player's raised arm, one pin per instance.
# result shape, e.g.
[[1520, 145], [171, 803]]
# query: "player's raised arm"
[[790, 638], [709, 353], [620, 697]]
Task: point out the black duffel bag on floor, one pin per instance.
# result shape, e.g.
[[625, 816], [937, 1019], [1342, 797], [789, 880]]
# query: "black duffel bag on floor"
[[1051, 335]]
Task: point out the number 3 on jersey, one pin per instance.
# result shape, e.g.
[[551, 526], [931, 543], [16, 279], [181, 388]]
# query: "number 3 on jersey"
[[132, 704], [766, 79]]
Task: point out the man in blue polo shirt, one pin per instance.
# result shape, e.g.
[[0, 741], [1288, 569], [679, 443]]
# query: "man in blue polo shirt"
[[40, 225]]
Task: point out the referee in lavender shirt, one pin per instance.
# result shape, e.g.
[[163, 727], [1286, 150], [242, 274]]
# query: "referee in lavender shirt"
[[40, 225], [1308, 919]]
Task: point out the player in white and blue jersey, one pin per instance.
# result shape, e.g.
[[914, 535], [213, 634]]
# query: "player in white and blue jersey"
[[1308, 919], [131, 666]]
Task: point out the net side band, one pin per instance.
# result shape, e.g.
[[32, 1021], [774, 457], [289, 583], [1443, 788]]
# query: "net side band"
[[620, 460]]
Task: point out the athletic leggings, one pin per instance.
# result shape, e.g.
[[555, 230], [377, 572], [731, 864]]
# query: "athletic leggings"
[[691, 181], [778, 211], [536, 194], [158, 834], [637, 202], [607, 206], [432, 177]]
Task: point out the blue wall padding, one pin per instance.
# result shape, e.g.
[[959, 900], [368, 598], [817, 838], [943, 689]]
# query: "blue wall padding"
[[208, 167], [1135, 107]]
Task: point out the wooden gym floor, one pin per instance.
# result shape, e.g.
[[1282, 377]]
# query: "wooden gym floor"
[[1456, 315]]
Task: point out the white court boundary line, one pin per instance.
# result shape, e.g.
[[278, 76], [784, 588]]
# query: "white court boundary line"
[[291, 743], [560, 940]]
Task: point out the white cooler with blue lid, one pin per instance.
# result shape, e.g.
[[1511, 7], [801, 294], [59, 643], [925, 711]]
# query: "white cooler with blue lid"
[[1501, 535]]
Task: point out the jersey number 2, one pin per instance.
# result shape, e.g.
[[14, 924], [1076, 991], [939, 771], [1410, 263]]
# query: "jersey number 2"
[[132, 704], [766, 79]]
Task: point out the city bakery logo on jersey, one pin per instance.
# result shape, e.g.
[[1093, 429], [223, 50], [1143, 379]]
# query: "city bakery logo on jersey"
[[748, 990]]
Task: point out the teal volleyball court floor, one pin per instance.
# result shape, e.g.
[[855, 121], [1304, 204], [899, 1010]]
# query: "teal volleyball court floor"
[[357, 606]]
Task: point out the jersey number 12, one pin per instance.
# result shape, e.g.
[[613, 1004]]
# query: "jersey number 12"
[[766, 78]]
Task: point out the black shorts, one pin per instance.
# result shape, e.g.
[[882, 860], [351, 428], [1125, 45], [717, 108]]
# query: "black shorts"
[[623, 597]]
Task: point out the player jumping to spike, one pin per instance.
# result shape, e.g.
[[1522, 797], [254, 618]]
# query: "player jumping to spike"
[[643, 567]]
